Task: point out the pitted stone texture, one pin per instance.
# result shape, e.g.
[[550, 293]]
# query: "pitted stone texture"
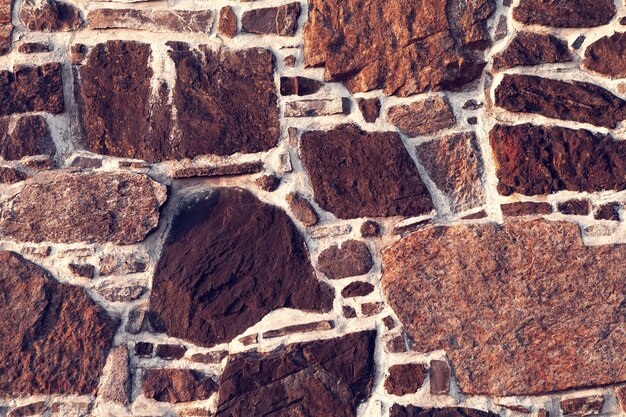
[[522, 308], [120, 208], [317, 379], [29, 89], [607, 56], [534, 160], [152, 20], [228, 261], [454, 164], [576, 101], [413, 411], [358, 174], [423, 117], [404, 47], [177, 385], [29, 137], [565, 13], [54, 339], [353, 258], [528, 48], [50, 16]]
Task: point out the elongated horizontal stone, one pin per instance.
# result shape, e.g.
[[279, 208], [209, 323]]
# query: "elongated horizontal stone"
[[152, 20], [50, 16], [299, 328], [317, 107], [29, 89], [565, 13], [177, 385], [282, 20], [522, 308], [219, 171], [528, 48], [398, 410], [423, 117]]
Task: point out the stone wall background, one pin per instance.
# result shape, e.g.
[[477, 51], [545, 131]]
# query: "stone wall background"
[[100, 220]]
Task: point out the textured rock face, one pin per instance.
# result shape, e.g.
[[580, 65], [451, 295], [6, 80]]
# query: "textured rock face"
[[565, 13], [54, 338], [351, 259], [29, 137], [126, 216], [28, 89], [177, 385], [607, 56], [522, 309], [6, 28], [50, 16], [378, 47], [233, 259], [152, 20], [535, 160], [528, 48], [405, 379], [282, 20], [412, 411], [356, 174], [423, 117], [317, 379]]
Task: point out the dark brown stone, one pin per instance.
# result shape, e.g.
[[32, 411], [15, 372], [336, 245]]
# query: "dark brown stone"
[[299, 328], [528, 48], [209, 357], [227, 24], [82, 270], [575, 207], [357, 289], [282, 20], [437, 47], [607, 56], [6, 28], [472, 105], [370, 228], [120, 208], [300, 86], [302, 209], [84, 162], [29, 137], [405, 379], [317, 379], [523, 308], [34, 48], [244, 168], [168, 351], [268, 182], [290, 61], [349, 312], [525, 208], [371, 309], [144, 349], [565, 13], [413, 411], [369, 108], [407, 229], [389, 322], [10, 175], [30, 89], [423, 117], [31, 409], [50, 16], [357, 174], [396, 344], [54, 338], [177, 385], [233, 259], [439, 377], [353, 258], [565, 100], [153, 20], [78, 52], [582, 406], [609, 211], [534, 160]]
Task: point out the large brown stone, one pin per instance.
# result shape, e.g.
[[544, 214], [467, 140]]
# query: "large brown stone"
[[529, 48], [317, 379], [65, 207], [50, 16], [522, 308], [423, 117], [152, 20], [228, 261], [29, 137], [566, 100], [565, 13], [357, 174], [607, 56], [404, 47], [54, 339], [534, 160], [29, 89]]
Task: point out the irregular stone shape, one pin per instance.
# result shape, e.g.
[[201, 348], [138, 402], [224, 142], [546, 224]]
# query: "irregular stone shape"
[[120, 208], [454, 163], [317, 379], [36, 408], [50, 16], [405, 379], [282, 20], [437, 47], [371, 309], [620, 393], [353, 258], [168, 351], [34, 48], [302, 209], [609, 211], [152, 20], [219, 171], [54, 339], [535, 160], [370, 228], [423, 117], [582, 406], [86, 162], [31, 89], [268, 182], [317, 107], [370, 108], [6, 28], [209, 357], [29, 137], [521, 309], [357, 174], [607, 56], [528, 48], [229, 260], [357, 289], [348, 312], [299, 328], [227, 24], [300, 86], [10, 175], [122, 264], [525, 208], [439, 377], [413, 411], [177, 385], [565, 13], [575, 207], [116, 383], [576, 101], [82, 270], [123, 294]]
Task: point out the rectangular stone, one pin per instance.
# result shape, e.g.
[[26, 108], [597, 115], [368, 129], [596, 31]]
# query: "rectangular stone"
[[318, 107], [152, 20], [282, 21], [32, 88], [299, 328], [219, 171]]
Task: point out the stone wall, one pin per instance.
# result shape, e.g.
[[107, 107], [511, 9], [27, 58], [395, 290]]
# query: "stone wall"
[[325, 208]]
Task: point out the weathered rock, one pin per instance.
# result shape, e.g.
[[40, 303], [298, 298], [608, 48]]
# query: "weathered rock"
[[50, 16], [396, 344], [370, 228], [371, 309], [123, 294], [31, 89], [54, 338], [525, 208], [233, 259], [528, 48], [565, 13], [152, 20], [116, 383], [299, 328], [85, 162], [82, 270], [348, 312], [535, 160], [34, 48], [122, 264], [282, 20], [620, 393], [209, 357], [582, 406], [177, 385], [290, 61], [317, 107], [10, 175], [6, 28], [522, 308], [357, 289], [609, 211], [576, 101], [317, 379], [405, 379], [219, 170], [575, 207], [300, 86], [144, 349], [370, 108], [78, 52], [227, 24], [377, 46], [607, 56], [502, 28], [357, 174], [353, 258], [127, 214], [413, 411], [268, 182], [29, 137], [169, 351], [454, 164], [423, 117], [36, 408], [302, 209], [481, 214], [439, 377], [389, 322]]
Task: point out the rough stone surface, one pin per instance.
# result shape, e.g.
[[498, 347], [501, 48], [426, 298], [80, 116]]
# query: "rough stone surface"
[[124, 294], [143, 349], [282, 20], [566, 100], [82, 270], [620, 392], [219, 171], [36, 408], [177, 385], [609, 211], [413, 411], [268, 182], [224, 297], [523, 308], [607, 56], [29, 137], [122, 264], [357, 289], [575, 207], [535, 160], [299, 86], [351, 259], [116, 385], [377, 46], [227, 24], [357, 174], [565, 13], [126, 216], [528, 48], [318, 379], [32, 88], [405, 379], [423, 117], [369, 108], [582, 406], [152, 20], [6, 28], [525, 208], [10, 175], [439, 377], [50, 16], [317, 107], [54, 338], [302, 209], [370, 228]]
